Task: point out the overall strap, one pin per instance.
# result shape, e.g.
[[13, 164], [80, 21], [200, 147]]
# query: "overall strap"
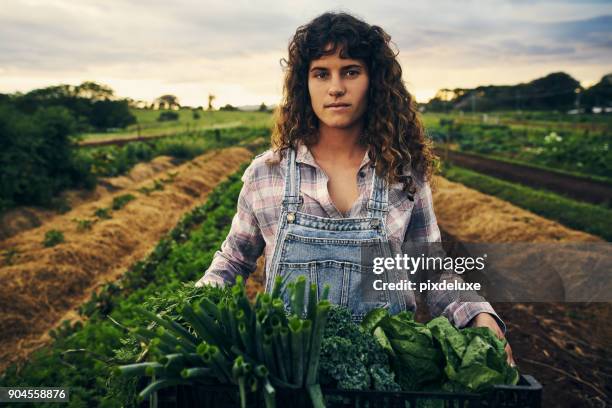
[[378, 203], [292, 198]]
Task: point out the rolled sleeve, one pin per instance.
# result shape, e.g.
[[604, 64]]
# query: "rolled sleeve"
[[423, 227], [462, 313], [242, 246]]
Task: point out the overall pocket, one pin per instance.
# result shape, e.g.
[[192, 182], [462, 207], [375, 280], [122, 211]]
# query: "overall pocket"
[[363, 296], [350, 285], [319, 273]]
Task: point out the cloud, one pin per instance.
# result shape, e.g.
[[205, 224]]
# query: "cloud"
[[238, 44]]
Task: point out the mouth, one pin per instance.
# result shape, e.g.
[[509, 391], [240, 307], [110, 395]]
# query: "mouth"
[[338, 106]]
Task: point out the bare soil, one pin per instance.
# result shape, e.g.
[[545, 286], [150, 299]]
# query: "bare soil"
[[580, 188], [40, 285], [24, 218], [567, 346]]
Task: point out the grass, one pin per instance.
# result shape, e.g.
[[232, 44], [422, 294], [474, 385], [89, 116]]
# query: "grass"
[[534, 119], [103, 213], [594, 219], [147, 121], [83, 224]]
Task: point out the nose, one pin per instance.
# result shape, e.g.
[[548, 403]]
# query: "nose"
[[336, 87]]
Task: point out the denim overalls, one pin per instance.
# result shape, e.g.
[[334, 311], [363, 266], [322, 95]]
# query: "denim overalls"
[[328, 250]]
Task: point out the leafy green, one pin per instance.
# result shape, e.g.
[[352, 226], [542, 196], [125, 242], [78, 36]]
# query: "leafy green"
[[438, 356], [351, 358]]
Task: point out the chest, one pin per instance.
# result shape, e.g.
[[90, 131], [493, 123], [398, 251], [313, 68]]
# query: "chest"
[[342, 186]]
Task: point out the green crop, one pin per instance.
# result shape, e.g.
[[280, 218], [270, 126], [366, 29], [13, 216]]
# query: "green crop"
[[120, 201], [255, 346], [53, 237], [351, 358], [437, 355]]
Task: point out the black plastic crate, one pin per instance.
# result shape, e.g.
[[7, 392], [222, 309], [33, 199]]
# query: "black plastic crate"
[[526, 394]]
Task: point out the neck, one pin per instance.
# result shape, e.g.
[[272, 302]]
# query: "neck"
[[339, 144]]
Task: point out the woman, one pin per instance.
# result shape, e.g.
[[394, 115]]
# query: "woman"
[[349, 165]]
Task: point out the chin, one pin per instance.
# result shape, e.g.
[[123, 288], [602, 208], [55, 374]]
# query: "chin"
[[339, 124]]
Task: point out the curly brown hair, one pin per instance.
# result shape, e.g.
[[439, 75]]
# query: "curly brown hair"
[[392, 126]]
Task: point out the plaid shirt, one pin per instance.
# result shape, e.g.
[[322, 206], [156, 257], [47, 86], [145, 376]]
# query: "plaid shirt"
[[256, 221]]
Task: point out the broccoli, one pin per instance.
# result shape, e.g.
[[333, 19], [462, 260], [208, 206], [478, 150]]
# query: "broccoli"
[[351, 358]]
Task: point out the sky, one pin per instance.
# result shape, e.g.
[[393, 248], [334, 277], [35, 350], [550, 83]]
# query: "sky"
[[231, 49]]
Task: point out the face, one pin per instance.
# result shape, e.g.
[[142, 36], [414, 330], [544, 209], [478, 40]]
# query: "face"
[[338, 90]]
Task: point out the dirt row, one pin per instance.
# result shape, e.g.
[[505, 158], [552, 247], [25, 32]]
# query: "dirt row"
[[564, 346], [579, 188], [41, 284], [21, 219]]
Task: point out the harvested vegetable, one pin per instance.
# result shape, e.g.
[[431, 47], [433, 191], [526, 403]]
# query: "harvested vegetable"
[[351, 358], [438, 356], [256, 347]]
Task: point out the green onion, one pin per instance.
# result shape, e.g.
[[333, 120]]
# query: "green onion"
[[315, 346], [196, 372], [137, 370], [297, 353], [158, 385], [297, 296]]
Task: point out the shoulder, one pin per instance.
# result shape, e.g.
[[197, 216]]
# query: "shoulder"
[[400, 199], [265, 166]]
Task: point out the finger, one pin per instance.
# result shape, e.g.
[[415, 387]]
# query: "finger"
[[510, 357]]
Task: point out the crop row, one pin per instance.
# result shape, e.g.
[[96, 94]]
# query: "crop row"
[[586, 152], [82, 355], [111, 161], [591, 218]]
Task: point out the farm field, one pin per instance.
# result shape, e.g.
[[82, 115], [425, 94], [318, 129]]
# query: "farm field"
[[583, 216], [578, 144], [45, 281], [141, 199], [117, 243], [116, 166], [182, 255], [148, 125]]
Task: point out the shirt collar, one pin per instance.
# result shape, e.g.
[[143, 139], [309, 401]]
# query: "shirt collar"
[[304, 155]]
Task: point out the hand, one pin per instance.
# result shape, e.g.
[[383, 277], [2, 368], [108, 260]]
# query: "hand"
[[487, 320]]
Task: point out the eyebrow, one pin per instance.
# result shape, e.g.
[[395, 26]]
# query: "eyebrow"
[[343, 68]]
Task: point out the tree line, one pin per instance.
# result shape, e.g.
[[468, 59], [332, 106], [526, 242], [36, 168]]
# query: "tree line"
[[557, 91], [37, 132]]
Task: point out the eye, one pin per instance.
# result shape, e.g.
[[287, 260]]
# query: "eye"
[[352, 72], [320, 74]]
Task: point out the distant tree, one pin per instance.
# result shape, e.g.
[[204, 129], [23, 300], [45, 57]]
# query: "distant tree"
[[195, 114], [211, 98], [94, 91], [167, 102], [92, 105], [111, 114], [599, 94], [228, 107], [263, 107], [556, 91], [38, 156]]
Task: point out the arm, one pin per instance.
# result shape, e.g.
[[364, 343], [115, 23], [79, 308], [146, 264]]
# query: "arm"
[[242, 246], [423, 227]]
